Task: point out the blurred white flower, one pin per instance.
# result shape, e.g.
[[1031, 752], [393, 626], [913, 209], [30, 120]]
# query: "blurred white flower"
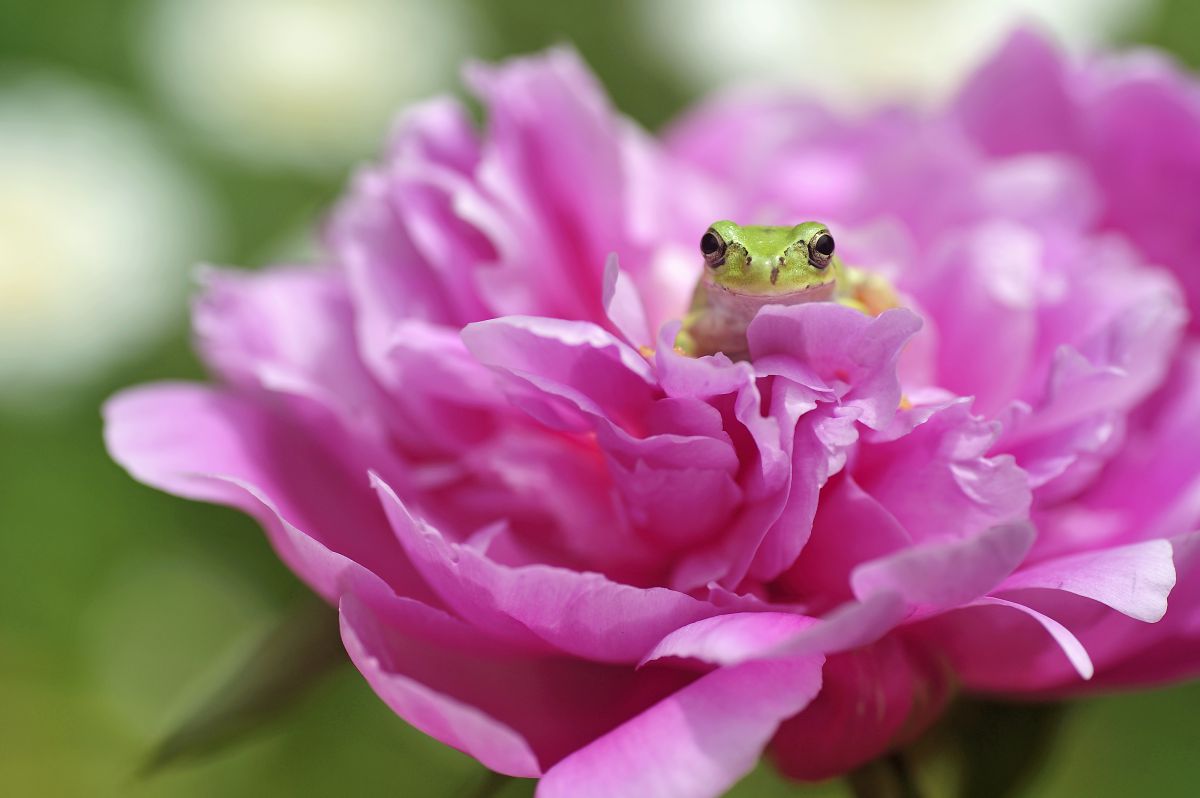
[[98, 232], [855, 52], [303, 83]]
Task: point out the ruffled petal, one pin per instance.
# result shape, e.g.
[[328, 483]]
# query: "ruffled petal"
[[930, 471], [560, 368], [542, 607], [835, 351]]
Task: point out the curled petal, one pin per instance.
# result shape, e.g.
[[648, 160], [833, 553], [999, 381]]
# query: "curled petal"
[[1134, 580], [1069, 643]]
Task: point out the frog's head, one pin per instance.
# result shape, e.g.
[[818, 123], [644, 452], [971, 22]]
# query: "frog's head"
[[769, 260]]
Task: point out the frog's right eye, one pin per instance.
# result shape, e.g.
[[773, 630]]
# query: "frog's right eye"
[[712, 246]]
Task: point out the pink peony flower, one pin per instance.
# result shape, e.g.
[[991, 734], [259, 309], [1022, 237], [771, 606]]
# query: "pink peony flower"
[[576, 555]]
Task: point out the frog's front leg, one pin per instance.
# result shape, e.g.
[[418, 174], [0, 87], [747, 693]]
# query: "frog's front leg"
[[867, 292], [685, 342]]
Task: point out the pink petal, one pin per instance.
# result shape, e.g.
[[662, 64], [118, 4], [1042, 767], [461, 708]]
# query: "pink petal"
[[731, 639], [1134, 580], [570, 364], [285, 329], [933, 577], [623, 305], [437, 714], [838, 350], [515, 712], [740, 637], [850, 528], [873, 700], [315, 505], [697, 742], [818, 452], [538, 606], [1018, 101], [437, 132], [1070, 645], [562, 186], [931, 471]]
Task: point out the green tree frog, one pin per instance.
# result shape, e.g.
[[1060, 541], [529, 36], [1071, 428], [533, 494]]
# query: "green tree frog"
[[746, 268]]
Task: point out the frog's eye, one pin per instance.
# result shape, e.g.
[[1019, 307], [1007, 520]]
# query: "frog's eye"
[[712, 246], [820, 249]]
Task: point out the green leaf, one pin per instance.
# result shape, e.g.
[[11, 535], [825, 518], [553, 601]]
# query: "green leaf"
[[278, 669]]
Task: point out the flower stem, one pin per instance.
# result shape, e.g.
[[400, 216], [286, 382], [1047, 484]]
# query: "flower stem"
[[886, 777], [492, 785]]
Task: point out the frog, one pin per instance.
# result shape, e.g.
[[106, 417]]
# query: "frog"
[[749, 267]]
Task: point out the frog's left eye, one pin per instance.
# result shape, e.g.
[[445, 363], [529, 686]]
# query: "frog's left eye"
[[712, 246], [820, 249]]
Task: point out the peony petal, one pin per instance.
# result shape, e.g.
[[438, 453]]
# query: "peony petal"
[[931, 472], [203, 444], [562, 186], [730, 639], [387, 276], [623, 305], [1134, 580], [1142, 118], [697, 742], [818, 452], [578, 363], [1070, 645], [441, 716], [256, 331], [1018, 101], [838, 350], [934, 577], [696, 377], [437, 132], [740, 637], [1135, 654], [768, 448], [850, 528], [538, 606], [872, 700], [985, 276], [678, 485], [517, 713]]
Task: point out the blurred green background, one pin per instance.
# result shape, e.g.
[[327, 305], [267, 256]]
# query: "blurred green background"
[[140, 136]]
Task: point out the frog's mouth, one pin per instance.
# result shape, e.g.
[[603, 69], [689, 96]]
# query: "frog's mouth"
[[813, 293]]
